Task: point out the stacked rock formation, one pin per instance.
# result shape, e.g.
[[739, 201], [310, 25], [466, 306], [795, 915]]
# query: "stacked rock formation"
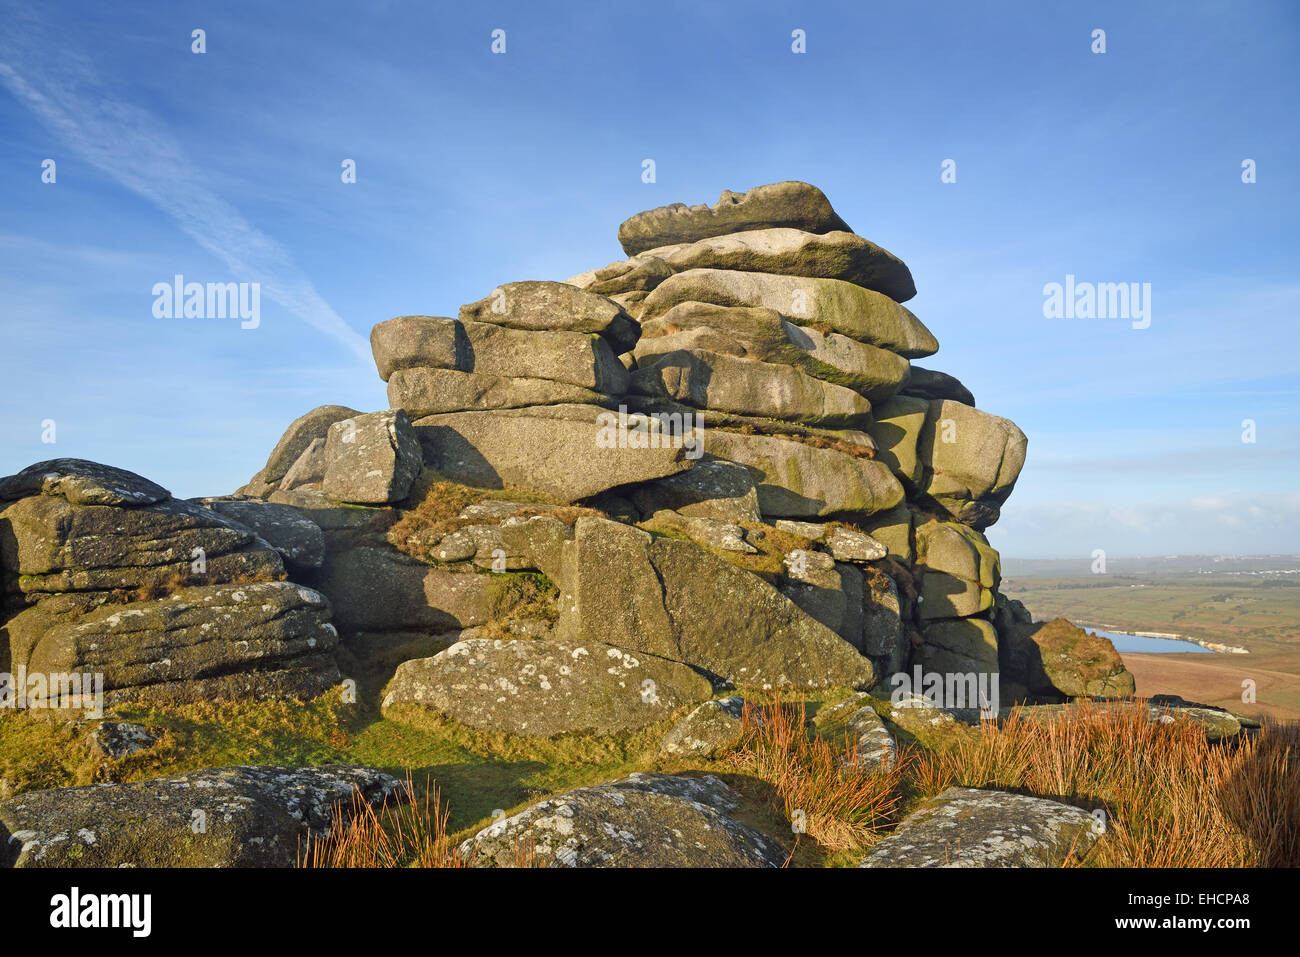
[[592, 503]]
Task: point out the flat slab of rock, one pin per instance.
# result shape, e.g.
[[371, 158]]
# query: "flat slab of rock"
[[850, 545], [82, 482], [789, 204], [709, 380], [117, 739], [544, 687], [554, 307], [791, 252], [758, 333], [371, 459], [569, 452], [846, 308], [798, 480], [711, 488], [929, 384], [964, 827], [424, 391], [56, 546], [644, 820], [196, 633], [220, 817], [436, 342]]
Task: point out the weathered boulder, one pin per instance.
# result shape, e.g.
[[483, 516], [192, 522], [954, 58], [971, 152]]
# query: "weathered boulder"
[[578, 358], [219, 817], [201, 633], [848, 309], [381, 589], [644, 820], [798, 480], [866, 737], [423, 391], [544, 687], [296, 440], [712, 488], [851, 545], [82, 482], [959, 570], [790, 204], [783, 251], [371, 459], [733, 624], [297, 538], [897, 430], [565, 451], [959, 646], [48, 544], [970, 461], [708, 380], [893, 529], [674, 599], [554, 307], [712, 727], [1057, 659], [758, 333], [964, 827], [307, 469], [884, 637]]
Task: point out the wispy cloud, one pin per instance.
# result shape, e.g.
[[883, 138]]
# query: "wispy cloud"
[[137, 149]]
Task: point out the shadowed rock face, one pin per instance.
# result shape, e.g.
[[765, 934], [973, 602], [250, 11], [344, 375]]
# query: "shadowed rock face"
[[964, 827], [644, 820], [1055, 659], [250, 816]]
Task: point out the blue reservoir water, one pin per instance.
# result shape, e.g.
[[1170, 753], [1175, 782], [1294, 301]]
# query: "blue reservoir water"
[[1139, 643]]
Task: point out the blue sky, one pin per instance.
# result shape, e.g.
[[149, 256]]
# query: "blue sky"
[[475, 169]]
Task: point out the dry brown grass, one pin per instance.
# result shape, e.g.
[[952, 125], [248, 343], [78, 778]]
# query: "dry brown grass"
[[838, 804], [1171, 798], [403, 832]]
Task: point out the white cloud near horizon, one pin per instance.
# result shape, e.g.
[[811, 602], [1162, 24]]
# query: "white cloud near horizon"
[[137, 149]]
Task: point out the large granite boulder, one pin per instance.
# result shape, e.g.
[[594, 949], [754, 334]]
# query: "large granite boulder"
[[192, 642], [299, 540], [544, 687], [219, 817], [424, 391], [82, 482], [959, 646], [554, 307], [644, 820], [708, 380], [381, 589], [964, 827], [842, 306], [970, 461], [758, 333], [50, 545], [791, 205], [569, 452], [1056, 659], [371, 459], [799, 480], [435, 342], [295, 442], [959, 570]]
